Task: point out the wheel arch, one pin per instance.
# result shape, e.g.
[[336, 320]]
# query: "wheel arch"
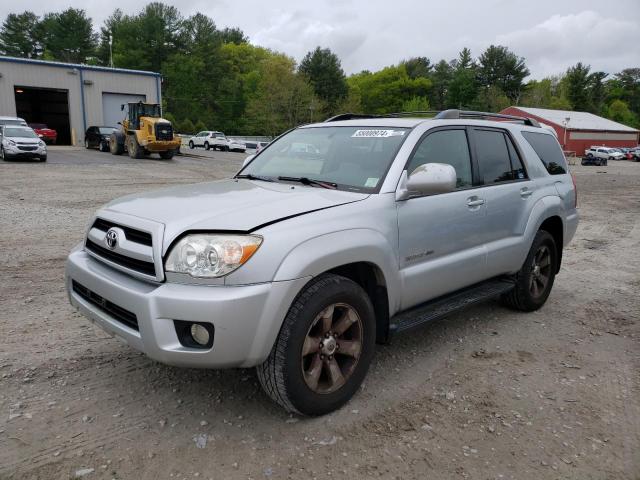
[[555, 227]]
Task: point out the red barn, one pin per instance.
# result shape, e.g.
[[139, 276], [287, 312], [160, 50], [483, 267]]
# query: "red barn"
[[578, 131]]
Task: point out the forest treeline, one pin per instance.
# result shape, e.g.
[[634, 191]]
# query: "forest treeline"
[[215, 78]]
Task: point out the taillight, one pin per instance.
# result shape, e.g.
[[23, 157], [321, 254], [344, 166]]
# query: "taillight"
[[575, 191]]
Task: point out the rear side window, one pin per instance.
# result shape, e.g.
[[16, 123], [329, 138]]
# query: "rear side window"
[[493, 156], [548, 149]]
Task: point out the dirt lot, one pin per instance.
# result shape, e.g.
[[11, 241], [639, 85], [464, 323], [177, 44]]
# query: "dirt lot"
[[487, 393]]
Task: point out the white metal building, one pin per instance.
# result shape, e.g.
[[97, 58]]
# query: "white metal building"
[[69, 97]]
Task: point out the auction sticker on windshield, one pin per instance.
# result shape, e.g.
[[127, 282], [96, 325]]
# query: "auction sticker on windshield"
[[377, 133]]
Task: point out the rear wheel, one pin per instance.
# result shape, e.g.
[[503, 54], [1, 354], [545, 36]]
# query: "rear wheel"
[[535, 279], [115, 146], [206, 145], [134, 148], [86, 143], [324, 348], [191, 145]]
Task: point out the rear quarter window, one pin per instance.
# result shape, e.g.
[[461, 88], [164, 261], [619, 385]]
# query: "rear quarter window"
[[548, 149]]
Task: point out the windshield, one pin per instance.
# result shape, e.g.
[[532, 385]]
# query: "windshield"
[[354, 158], [14, 132], [106, 130]]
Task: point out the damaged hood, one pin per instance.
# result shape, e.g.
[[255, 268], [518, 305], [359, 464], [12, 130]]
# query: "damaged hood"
[[232, 204]]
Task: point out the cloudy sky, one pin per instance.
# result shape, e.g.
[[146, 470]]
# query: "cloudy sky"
[[369, 34]]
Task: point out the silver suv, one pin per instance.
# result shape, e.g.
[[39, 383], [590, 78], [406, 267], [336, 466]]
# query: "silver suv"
[[309, 256]]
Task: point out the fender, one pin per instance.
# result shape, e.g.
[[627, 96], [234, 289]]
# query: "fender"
[[545, 207], [340, 248]]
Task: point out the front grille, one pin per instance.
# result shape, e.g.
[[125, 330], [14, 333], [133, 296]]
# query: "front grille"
[[148, 268], [117, 313], [164, 131], [27, 149], [132, 234]]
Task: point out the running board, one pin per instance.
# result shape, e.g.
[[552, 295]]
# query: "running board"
[[443, 306]]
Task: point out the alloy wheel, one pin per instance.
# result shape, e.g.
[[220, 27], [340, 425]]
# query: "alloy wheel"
[[540, 271], [332, 348]]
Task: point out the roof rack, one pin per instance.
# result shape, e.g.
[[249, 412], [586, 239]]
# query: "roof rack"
[[457, 114], [438, 115]]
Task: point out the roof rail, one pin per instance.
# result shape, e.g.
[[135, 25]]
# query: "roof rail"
[[457, 114], [352, 116]]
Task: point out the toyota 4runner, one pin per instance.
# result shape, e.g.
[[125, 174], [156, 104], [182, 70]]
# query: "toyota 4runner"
[[306, 258]]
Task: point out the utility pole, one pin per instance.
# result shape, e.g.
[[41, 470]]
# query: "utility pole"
[[111, 50]]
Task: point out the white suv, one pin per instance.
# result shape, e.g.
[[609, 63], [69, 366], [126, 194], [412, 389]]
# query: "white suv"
[[604, 153], [216, 140]]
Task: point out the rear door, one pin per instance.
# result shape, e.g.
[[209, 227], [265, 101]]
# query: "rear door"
[[440, 236], [509, 195]]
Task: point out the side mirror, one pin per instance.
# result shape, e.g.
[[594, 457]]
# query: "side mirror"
[[432, 178], [247, 160]]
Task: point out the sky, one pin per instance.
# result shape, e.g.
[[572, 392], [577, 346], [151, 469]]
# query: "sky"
[[370, 34]]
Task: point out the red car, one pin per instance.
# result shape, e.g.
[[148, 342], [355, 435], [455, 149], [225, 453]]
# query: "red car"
[[48, 135]]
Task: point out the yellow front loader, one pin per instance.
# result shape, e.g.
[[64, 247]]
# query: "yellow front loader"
[[144, 131]]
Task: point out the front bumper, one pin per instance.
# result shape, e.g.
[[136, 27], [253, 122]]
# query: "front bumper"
[[246, 319], [162, 145], [33, 154]]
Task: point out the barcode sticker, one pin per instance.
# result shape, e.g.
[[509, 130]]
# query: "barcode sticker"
[[377, 133]]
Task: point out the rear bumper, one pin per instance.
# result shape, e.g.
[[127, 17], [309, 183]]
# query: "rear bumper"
[[246, 319]]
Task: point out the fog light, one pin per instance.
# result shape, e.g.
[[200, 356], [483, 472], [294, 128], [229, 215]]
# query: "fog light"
[[199, 334]]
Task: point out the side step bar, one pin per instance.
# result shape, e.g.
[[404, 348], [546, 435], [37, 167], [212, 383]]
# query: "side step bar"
[[442, 306]]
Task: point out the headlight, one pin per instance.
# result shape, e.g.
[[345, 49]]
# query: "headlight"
[[11, 142], [209, 256], [41, 143]]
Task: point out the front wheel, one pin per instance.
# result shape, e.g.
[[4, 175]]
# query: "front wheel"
[[134, 148], [206, 146], [86, 143], [324, 348], [535, 279], [191, 145]]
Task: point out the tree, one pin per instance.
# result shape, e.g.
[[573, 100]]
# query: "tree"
[[418, 67], [597, 92], [463, 87], [68, 36], [233, 35], [416, 104], [321, 67], [501, 68], [440, 79], [619, 111], [19, 36], [199, 126], [186, 127], [577, 81]]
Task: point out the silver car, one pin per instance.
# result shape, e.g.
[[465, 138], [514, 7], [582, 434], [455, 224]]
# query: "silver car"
[[21, 142], [306, 258]]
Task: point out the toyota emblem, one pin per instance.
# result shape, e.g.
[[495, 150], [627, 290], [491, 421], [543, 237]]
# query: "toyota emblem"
[[111, 238]]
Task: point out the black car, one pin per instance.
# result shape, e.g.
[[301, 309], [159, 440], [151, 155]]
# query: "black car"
[[590, 159], [98, 137]]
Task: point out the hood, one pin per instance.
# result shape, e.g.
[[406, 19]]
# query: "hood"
[[237, 205], [24, 141]]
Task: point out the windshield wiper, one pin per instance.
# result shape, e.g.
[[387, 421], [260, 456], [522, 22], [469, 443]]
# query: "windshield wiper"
[[249, 176], [310, 181]]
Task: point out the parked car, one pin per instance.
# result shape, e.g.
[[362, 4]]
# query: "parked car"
[[48, 135], [236, 145], [213, 140], [300, 263], [591, 160], [21, 142], [604, 153], [635, 154], [98, 137], [13, 121]]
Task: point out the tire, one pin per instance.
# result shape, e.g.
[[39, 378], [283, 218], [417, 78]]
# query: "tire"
[[43, 158], [523, 296], [86, 144], [605, 162], [206, 146], [225, 149], [168, 155], [583, 161], [115, 146], [2, 155], [134, 148], [191, 145], [103, 147], [287, 374]]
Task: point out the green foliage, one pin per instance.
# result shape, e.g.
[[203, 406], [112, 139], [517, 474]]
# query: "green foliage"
[[500, 68], [440, 79], [68, 36], [619, 111], [186, 127], [416, 104], [323, 70], [387, 90], [463, 87], [200, 126], [577, 84], [19, 35], [418, 67]]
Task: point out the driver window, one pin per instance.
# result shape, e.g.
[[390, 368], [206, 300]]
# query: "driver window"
[[445, 146]]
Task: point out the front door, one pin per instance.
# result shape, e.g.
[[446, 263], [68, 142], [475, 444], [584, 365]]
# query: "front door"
[[441, 236]]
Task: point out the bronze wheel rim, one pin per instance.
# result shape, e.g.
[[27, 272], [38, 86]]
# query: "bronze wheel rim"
[[540, 272], [332, 348]]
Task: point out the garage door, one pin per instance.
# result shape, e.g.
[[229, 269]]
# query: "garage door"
[[111, 102]]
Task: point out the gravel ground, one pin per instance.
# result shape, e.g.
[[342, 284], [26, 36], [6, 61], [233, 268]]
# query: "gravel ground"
[[486, 393]]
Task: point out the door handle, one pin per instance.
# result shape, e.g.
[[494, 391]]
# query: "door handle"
[[525, 192], [475, 202]]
